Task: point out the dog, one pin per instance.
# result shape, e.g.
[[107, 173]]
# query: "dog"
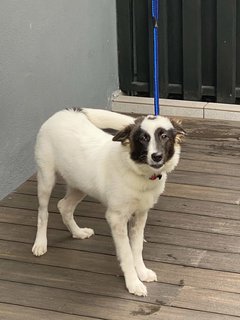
[[125, 172]]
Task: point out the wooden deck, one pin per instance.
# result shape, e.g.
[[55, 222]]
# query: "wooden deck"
[[193, 243]]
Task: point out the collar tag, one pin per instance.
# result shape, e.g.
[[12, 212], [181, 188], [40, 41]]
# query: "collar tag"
[[154, 177]]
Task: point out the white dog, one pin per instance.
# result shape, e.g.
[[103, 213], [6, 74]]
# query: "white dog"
[[127, 173]]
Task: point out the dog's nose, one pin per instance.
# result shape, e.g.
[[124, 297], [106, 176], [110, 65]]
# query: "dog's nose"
[[157, 157]]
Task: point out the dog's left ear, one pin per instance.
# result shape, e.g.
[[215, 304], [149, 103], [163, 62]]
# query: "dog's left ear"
[[123, 135], [178, 129]]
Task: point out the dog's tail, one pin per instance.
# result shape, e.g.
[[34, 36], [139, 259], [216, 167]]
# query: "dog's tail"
[[104, 119]]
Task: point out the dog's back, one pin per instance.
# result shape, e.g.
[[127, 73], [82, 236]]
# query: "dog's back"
[[70, 141]]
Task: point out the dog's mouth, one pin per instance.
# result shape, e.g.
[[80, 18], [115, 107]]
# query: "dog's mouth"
[[156, 165]]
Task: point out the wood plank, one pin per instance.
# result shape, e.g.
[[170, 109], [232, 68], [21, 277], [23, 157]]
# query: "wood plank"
[[99, 247], [153, 234], [107, 264], [84, 217], [155, 218], [82, 281], [208, 300], [169, 313], [72, 302], [192, 152], [223, 149], [58, 239], [204, 180], [207, 167], [194, 222], [30, 187], [193, 239], [13, 312], [197, 277], [168, 204], [78, 303], [201, 193], [211, 124], [72, 259], [25, 201], [209, 138], [205, 208], [212, 136], [167, 273]]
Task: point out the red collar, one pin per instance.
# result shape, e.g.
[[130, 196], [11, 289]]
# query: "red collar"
[[154, 177]]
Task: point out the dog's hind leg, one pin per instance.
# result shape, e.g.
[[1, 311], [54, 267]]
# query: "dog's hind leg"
[[46, 181], [66, 206], [136, 234]]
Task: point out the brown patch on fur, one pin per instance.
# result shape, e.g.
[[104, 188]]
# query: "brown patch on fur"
[[124, 134], [151, 118], [139, 120], [180, 132]]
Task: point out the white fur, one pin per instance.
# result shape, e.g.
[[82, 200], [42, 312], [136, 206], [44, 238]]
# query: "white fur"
[[91, 163], [104, 119]]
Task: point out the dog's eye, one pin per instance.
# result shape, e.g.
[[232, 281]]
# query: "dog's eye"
[[164, 136], [144, 138]]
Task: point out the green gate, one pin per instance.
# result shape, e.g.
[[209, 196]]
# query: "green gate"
[[199, 49]]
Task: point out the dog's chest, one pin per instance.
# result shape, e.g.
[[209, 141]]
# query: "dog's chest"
[[144, 203], [142, 200], [143, 196]]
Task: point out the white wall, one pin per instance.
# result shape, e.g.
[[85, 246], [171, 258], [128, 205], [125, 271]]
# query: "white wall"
[[54, 53]]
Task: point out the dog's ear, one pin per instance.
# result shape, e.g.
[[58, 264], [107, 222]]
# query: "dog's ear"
[[178, 129], [123, 135]]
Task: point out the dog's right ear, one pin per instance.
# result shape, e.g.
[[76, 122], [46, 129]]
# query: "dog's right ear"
[[124, 135]]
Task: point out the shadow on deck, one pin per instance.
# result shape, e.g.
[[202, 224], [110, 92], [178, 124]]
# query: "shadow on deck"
[[193, 243]]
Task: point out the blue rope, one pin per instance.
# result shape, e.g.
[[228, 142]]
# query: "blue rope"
[[155, 56]]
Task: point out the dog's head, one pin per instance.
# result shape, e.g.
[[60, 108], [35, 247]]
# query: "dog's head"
[[152, 140]]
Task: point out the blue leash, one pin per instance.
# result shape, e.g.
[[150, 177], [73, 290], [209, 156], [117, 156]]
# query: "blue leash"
[[155, 56]]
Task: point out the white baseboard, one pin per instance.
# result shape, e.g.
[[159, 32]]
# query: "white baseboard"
[[181, 108]]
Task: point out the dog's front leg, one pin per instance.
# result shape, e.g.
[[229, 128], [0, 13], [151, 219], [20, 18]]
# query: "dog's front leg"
[[136, 233], [118, 224]]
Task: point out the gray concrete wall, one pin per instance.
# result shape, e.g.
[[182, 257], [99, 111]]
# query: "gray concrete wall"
[[53, 54]]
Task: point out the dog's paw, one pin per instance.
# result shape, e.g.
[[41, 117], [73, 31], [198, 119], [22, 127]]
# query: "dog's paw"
[[83, 233], [39, 248], [137, 287], [147, 275]]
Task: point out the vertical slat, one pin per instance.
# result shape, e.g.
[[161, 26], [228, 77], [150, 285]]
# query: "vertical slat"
[[192, 62], [163, 49], [209, 45], [150, 45], [226, 51], [238, 51], [141, 39], [125, 44], [175, 54]]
